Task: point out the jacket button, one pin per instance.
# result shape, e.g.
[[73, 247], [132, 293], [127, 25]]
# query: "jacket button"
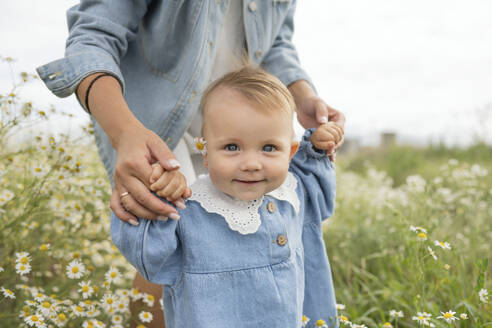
[[271, 207], [252, 6], [281, 240], [258, 53]]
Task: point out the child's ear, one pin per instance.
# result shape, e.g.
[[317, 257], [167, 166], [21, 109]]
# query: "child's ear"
[[293, 149]]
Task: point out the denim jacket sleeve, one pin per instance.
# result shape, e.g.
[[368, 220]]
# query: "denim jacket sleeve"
[[282, 59], [99, 33], [316, 175], [153, 248]]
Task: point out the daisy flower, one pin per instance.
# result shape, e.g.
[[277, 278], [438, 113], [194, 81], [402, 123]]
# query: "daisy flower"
[[421, 236], [78, 310], [148, 299], [340, 307], [418, 229], [432, 253], [442, 244], [108, 302], [448, 316], [46, 308], [484, 295], [112, 275], [22, 269], [35, 320], [321, 323], [117, 319], [75, 269], [7, 293], [44, 247], [86, 289], [464, 316], [200, 145], [304, 321], [22, 257], [422, 318], [387, 325], [135, 294], [145, 316], [61, 319], [345, 320], [39, 297]]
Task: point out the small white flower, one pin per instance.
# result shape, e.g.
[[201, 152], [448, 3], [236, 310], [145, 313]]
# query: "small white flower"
[[484, 295], [442, 244], [7, 293], [464, 316], [396, 314], [304, 321], [78, 310], [145, 316], [35, 320], [1, 269], [113, 275], [117, 319], [432, 253], [422, 318], [22, 269], [148, 299], [200, 145], [86, 289], [22, 257], [75, 269], [340, 307], [448, 316], [417, 229]]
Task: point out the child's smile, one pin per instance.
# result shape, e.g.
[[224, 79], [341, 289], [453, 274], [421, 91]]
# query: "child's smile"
[[248, 149]]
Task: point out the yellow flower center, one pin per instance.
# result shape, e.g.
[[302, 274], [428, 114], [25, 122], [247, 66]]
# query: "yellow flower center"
[[85, 289], [320, 322], [62, 317], [46, 304], [76, 255], [447, 315], [420, 317], [43, 247], [422, 235], [34, 318], [343, 318], [24, 260], [199, 145], [150, 297], [78, 308], [113, 274], [37, 169], [8, 291], [109, 301], [387, 324]]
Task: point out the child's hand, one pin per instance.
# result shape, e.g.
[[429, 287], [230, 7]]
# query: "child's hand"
[[169, 184], [326, 137]]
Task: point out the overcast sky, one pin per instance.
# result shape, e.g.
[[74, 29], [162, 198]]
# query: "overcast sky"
[[421, 68]]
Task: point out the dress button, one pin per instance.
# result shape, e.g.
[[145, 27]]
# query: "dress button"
[[281, 240], [252, 6], [271, 207], [258, 53]]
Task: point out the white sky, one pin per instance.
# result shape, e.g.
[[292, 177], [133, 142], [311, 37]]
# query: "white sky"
[[421, 68]]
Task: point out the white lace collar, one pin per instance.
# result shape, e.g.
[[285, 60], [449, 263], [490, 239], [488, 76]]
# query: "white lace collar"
[[241, 216]]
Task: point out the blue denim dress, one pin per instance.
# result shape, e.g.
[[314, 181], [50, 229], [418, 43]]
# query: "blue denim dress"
[[214, 276]]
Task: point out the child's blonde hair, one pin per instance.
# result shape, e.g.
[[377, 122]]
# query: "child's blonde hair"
[[257, 86]]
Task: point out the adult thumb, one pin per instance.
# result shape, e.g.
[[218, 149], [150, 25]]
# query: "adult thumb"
[[321, 112], [161, 152]]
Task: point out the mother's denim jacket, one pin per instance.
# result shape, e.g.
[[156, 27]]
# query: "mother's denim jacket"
[[162, 52]]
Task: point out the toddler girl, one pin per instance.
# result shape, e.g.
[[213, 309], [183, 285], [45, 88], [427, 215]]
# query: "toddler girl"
[[235, 257]]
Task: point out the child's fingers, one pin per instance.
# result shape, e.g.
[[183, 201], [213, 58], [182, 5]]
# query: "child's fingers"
[[157, 171], [178, 192], [169, 189], [187, 193], [334, 131], [162, 182]]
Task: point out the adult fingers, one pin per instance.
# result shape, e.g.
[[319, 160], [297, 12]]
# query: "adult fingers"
[[336, 116], [119, 211]]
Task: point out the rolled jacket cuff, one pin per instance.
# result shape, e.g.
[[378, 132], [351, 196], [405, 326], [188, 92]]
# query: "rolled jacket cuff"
[[307, 147], [62, 76]]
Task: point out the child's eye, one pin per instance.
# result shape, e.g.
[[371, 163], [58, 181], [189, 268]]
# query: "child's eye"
[[269, 148], [231, 147]]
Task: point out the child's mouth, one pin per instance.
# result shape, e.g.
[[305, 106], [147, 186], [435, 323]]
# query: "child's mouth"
[[249, 181]]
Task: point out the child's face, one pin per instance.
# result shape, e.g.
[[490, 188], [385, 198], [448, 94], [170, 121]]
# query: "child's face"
[[248, 151]]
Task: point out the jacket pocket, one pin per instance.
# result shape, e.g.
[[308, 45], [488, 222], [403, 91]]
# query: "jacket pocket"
[[166, 35]]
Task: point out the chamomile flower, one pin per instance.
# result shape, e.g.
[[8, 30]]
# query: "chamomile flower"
[[44, 247], [86, 289], [432, 253], [448, 316], [422, 318], [39, 296], [1, 269], [145, 316], [47, 308], [135, 294], [418, 229], [36, 320], [304, 321], [340, 307], [61, 319], [421, 236], [22, 257], [463, 316], [148, 299], [117, 319], [7, 293], [112, 275], [200, 145], [387, 325], [78, 310], [483, 294], [22, 269], [321, 323], [344, 320], [75, 269], [396, 314], [108, 302], [442, 244]]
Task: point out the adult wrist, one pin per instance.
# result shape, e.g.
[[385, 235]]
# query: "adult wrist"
[[301, 89]]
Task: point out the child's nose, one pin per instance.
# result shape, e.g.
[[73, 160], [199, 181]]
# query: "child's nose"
[[251, 164]]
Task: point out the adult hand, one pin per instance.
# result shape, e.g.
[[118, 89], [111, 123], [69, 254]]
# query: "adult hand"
[[313, 111], [137, 148]]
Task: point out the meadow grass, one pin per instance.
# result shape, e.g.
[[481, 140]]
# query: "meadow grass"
[[408, 243]]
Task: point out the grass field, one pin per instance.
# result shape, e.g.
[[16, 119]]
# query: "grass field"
[[409, 242]]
